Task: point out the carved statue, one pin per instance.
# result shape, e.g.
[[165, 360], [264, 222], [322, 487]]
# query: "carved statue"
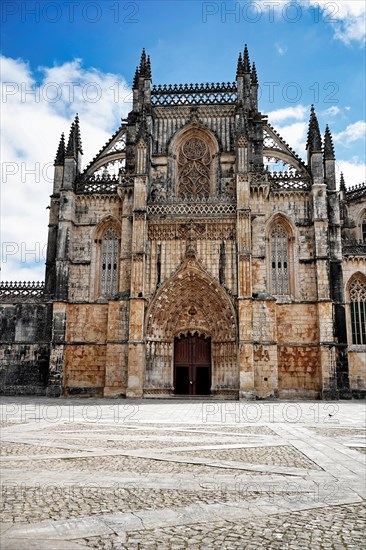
[[158, 189]]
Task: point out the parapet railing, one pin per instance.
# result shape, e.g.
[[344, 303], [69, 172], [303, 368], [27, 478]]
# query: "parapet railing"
[[15, 289], [354, 248], [356, 191], [194, 94], [103, 185]]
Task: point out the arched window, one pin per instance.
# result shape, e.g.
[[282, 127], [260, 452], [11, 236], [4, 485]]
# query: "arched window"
[[109, 261], [357, 295], [363, 231], [279, 258], [194, 169]]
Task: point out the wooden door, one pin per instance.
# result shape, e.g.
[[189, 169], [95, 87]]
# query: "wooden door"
[[192, 365]]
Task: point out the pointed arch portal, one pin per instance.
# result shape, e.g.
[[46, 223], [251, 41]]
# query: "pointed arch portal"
[[191, 336]]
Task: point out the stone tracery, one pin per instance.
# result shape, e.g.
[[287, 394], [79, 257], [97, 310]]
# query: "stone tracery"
[[194, 169]]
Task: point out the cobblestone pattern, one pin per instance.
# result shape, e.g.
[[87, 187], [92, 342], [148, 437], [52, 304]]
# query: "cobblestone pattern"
[[20, 449], [32, 504], [254, 430], [116, 464], [340, 432], [336, 528], [271, 456], [147, 444]]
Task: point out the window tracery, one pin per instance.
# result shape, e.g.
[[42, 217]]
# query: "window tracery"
[[194, 167], [109, 261], [357, 294], [279, 250]]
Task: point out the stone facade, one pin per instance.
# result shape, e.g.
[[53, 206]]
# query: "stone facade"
[[198, 254]]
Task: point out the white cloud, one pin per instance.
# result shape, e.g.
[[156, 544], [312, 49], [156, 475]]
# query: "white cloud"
[[31, 129], [331, 111], [297, 112], [281, 50], [347, 17], [295, 136], [353, 132], [354, 171]]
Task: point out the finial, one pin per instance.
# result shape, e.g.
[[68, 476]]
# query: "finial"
[[78, 144], [60, 155], [148, 68], [70, 149], [143, 62], [314, 141], [254, 76], [342, 184], [328, 145], [136, 79], [240, 70], [246, 61]]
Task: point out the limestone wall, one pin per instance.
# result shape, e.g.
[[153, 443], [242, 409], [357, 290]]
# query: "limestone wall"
[[25, 334]]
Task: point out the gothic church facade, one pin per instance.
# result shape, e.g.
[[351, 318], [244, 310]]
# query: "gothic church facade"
[[196, 254]]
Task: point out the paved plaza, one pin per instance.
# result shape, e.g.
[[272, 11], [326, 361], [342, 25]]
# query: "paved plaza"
[[153, 474]]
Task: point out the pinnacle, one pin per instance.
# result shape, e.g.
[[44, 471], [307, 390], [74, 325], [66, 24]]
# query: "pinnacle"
[[254, 76], [246, 61], [145, 66], [136, 79], [342, 184], [148, 67], [74, 144], [60, 155], [314, 141], [328, 145], [78, 144], [240, 69], [70, 150], [143, 62]]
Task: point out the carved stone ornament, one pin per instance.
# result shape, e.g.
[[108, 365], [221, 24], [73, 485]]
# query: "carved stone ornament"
[[159, 189]]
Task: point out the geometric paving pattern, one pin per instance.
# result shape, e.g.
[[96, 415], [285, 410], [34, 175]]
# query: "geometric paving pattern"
[[171, 474]]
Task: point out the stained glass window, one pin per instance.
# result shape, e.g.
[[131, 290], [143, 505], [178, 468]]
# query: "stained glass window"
[[109, 269], [279, 260], [357, 293]]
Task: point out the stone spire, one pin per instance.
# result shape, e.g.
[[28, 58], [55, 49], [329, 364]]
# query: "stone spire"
[[136, 79], [79, 147], [148, 68], [60, 155], [328, 145], [246, 61], [240, 68], [74, 144], [142, 70], [254, 77], [314, 141], [70, 149], [342, 184]]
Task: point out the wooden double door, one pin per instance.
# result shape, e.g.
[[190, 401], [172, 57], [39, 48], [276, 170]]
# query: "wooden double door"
[[192, 365]]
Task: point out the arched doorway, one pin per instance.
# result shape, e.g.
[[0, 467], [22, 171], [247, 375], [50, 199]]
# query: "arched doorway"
[[191, 336], [192, 365]]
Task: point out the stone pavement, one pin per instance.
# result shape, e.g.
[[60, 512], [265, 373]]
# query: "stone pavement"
[[152, 474]]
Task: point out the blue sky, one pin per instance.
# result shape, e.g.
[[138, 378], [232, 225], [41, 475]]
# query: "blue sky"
[[306, 52]]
